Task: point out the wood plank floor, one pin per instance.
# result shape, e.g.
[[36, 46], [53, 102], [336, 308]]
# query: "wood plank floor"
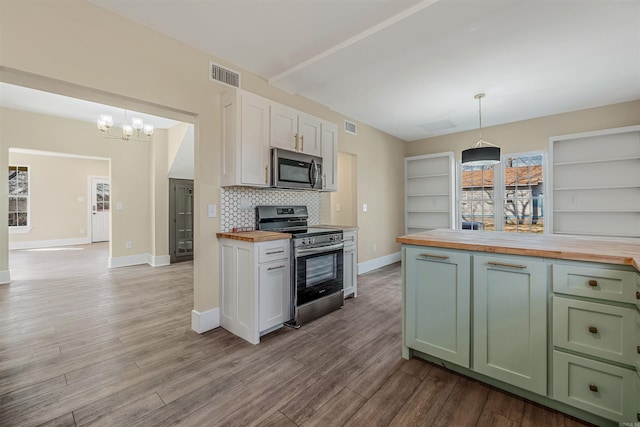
[[81, 344]]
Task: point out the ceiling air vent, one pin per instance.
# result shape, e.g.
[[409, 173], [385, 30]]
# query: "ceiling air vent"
[[223, 75], [437, 126], [350, 127]]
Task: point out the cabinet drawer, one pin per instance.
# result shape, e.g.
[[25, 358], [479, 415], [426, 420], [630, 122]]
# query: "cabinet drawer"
[[601, 283], [271, 251], [349, 238], [600, 330], [596, 387]]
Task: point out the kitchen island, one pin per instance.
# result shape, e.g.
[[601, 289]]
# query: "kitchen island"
[[552, 318]]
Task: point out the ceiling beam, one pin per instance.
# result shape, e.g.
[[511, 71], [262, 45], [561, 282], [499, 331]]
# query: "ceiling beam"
[[355, 39]]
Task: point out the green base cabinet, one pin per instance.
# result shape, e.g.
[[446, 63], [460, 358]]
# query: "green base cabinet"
[[437, 303], [510, 321]]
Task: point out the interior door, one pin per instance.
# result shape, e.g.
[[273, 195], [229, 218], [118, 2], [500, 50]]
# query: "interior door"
[[100, 207], [180, 219]]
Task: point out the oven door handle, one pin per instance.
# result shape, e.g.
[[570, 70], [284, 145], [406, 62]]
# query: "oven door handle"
[[319, 250]]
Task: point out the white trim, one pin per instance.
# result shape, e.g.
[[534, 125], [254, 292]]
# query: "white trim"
[[205, 321], [36, 244], [373, 264], [5, 277], [25, 229], [54, 154], [600, 132], [160, 260], [126, 261]]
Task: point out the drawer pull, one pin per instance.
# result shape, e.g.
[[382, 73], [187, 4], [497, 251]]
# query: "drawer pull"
[[593, 329], [637, 295], [501, 264], [281, 251], [593, 283], [638, 349], [434, 256], [275, 268], [593, 387]]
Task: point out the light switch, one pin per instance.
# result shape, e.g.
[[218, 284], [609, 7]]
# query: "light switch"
[[211, 211], [119, 206], [80, 199], [364, 207], [338, 207]]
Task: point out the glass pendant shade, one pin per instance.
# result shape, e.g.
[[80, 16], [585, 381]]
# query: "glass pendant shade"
[[481, 156]]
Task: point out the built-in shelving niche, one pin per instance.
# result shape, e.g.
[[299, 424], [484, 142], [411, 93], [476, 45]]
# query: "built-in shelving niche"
[[595, 178]]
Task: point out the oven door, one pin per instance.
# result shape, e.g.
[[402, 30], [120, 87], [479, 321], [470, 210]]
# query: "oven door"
[[318, 272]]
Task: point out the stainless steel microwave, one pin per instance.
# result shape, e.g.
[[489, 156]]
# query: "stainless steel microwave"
[[290, 169]]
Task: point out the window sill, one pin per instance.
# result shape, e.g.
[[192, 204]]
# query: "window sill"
[[20, 230]]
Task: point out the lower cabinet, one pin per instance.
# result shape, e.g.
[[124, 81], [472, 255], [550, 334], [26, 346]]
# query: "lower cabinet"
[[437, 303], [255, 287], [510, 321], [350, 266]]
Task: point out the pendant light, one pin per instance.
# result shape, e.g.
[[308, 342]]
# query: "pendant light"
[[482, 153]]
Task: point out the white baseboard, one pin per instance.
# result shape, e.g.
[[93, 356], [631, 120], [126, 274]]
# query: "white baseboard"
[[206, 321], [37, 244], [160, 261], [5, 277], [126, 261], [374, 264]]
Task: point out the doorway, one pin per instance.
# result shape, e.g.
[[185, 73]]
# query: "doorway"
[[100, 208], [180, 220], [344, 202]]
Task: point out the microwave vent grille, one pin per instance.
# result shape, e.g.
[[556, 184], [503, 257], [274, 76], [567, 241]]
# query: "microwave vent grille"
[[223, 75]]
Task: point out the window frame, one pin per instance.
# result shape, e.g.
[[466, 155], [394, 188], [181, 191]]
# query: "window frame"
[[499, 188], [21, 229]]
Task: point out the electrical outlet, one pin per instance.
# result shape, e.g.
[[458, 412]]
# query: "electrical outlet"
[[364, 207], [375, 247], [129, 245], [338, 207], [82, 231]]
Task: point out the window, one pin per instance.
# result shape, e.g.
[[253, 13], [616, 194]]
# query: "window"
[[18, 197], [512, 190]]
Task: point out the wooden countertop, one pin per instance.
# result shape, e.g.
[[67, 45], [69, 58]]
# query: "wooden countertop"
[[254, 236], [609, 250]]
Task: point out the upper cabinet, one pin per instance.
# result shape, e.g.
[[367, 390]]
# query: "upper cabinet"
[[294, 130], [245, 139], [595, 180], [329, 144], [252, 125]]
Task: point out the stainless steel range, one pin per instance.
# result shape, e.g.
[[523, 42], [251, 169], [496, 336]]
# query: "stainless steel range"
[[317, 261]]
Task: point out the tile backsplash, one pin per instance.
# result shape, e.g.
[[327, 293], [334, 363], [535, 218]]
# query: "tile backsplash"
[[232, 198]]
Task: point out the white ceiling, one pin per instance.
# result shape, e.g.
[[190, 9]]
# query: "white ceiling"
[[408, 67]]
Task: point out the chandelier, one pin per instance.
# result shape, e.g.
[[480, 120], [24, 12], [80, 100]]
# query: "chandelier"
[[136, 131], [482, 153]]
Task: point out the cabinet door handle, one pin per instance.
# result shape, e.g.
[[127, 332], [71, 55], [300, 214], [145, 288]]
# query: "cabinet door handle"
[[637, 295], [593, 387], [302, 143], [593, 329], [434, 256], [593, 283], [296, 139], [266, 174], [275, 268], [501, 264], [638, 349], [281, 251]]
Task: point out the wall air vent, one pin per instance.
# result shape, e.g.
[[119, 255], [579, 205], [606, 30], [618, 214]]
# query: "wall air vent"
[[223, 75], [350, 127]]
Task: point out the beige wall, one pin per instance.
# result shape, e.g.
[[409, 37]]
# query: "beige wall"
[[56, 184], [76, 49], [130, 169], [531, 135], [346, 195]]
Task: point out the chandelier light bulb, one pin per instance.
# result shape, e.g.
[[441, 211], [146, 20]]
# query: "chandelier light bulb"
[[102, 127], [137, 123], [107, 120], [127, 130], [148, 130]]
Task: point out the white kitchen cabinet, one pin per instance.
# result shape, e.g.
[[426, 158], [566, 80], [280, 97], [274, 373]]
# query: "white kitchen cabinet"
[[245, 139], [510, 320], [329, 144], [255, 287], [350, 263], [595, 181], [437, 305], [294, 130], [429, 190]]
